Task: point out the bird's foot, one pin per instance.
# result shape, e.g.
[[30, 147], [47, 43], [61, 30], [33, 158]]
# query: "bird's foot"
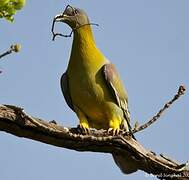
[[126, 132], [114, 132], [83, 129]]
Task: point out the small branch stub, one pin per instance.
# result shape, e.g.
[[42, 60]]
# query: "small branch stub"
[[13, 48]]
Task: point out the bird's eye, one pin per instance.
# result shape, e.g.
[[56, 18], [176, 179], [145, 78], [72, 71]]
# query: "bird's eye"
[[76, 11]]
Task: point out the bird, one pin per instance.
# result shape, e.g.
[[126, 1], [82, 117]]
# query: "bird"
[[91, 85]]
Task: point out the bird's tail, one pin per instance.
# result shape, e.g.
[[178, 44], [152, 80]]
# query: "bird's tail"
[[124, 161]]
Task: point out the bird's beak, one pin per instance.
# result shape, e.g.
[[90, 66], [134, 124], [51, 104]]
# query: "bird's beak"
[[66, 15], [60, 18]]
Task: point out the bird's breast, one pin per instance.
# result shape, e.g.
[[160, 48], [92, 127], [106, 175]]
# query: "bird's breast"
[[87, 90]]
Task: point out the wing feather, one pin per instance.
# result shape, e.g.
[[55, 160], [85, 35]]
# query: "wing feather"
[[64, 83], [117, 90]]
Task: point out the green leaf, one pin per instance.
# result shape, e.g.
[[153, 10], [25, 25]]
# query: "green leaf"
[[8, 8]]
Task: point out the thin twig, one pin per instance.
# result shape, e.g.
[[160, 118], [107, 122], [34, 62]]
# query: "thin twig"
[[6, 53], [180, 92], [13, 48], [66, 35], [58, 34]]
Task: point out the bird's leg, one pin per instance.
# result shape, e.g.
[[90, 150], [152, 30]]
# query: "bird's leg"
[[83, 122], [114, 126], [83, 126]]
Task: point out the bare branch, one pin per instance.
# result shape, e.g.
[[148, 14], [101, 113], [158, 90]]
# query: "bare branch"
[[180, 92], [15, 121]]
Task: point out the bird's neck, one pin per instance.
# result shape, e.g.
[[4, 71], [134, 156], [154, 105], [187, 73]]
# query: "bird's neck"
[[83, 36], [84, 51], [83, 41]]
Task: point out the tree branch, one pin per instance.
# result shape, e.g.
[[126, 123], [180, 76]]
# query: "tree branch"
[[15, 121]]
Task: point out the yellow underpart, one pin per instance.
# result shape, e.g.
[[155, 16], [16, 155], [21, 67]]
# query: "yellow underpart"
[[115, 123], [91, 97]]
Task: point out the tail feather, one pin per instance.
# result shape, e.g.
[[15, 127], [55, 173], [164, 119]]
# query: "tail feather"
[[126, 164]]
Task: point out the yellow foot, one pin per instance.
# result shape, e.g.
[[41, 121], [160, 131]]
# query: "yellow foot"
[[114, 132], [83, 129]]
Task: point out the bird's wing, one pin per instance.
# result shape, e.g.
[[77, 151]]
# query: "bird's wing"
[[64, 83], [113, 81], [117, 90]]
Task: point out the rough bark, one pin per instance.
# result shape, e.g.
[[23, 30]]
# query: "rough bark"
[[15, 121]]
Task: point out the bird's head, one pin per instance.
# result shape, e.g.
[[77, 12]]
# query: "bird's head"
[[74, 17]]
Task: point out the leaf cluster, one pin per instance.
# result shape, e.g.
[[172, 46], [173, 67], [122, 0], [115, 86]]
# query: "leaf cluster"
[[8, 8]]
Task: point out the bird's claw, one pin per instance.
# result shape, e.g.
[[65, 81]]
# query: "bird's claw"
[[114, 132], [83, 129]]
